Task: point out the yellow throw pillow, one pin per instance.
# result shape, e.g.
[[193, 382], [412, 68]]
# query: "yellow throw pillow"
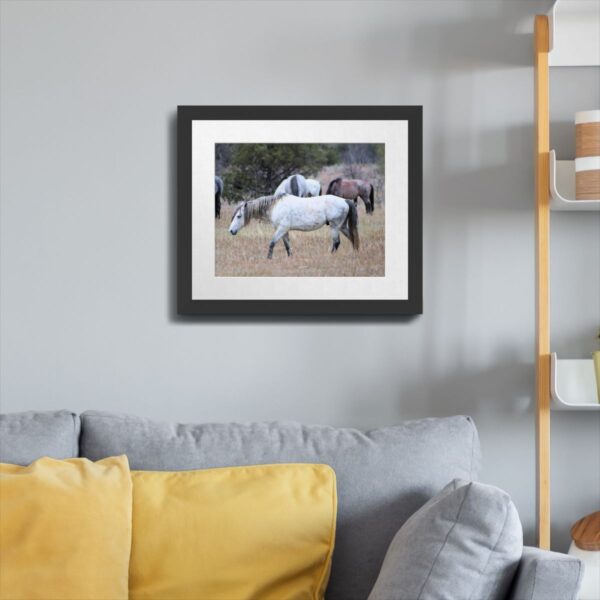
[[240, 533], [65, 529]]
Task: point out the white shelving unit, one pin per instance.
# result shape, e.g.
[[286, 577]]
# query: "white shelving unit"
[[573, 384], [568, 36], [562, 187], [573, 28], [573, 41]]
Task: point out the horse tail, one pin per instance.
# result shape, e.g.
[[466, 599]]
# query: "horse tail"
[[372, 197], [353, 224], [332, 184], [320, 190], [294, 185]]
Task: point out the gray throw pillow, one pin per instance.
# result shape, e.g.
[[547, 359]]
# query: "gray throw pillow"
[[464, 544]]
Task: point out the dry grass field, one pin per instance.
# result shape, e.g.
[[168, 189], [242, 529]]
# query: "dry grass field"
[[245, 255]]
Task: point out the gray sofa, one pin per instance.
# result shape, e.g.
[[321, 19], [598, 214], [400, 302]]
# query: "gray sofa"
[[383, 476]]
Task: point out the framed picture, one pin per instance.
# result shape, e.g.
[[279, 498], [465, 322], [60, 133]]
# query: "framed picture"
[[300, 211]]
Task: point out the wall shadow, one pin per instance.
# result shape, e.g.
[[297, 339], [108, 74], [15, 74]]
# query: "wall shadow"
[[171, 217], [492, 36]]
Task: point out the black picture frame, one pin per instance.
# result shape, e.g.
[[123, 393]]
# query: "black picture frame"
[[413, 305]]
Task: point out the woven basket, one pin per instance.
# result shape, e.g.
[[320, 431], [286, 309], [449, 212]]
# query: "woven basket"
[[587, 155]]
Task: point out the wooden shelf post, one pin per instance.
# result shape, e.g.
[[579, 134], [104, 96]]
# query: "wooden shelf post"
[[542, 212]]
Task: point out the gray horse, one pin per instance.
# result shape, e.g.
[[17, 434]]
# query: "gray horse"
[[294, 185], [218, 192]]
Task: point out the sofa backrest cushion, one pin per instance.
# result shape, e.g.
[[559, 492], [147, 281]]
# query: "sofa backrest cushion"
[[383, 476], [27, 436]]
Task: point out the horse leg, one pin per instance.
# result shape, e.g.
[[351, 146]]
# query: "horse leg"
[[286, 243], [281, 231], [367, 203], [335, 239], [346, 230], [218, 205]]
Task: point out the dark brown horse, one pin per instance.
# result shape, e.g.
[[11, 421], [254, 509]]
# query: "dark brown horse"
[[351, 189], [218, 194]]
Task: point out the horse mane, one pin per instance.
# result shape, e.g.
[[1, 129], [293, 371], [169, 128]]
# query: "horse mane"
[[294, 185], [332, 182], [259, 207]]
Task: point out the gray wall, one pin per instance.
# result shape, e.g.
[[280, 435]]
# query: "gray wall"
[[89, 91]]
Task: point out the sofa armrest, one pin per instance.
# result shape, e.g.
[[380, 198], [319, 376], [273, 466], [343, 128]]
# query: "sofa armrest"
[[544, 575]]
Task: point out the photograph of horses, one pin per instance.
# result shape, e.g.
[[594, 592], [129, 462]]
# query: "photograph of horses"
[[295, 211], [300, 210]]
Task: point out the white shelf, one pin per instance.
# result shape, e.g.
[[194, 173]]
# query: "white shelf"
[[574, 33], [573, 384], [562, 187]]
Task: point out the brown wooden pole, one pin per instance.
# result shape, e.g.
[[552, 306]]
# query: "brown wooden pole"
[[542, 195]]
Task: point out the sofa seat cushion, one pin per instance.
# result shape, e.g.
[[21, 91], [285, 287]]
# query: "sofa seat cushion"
[[65, 530], [464, 544], [27, 436], [233, 533], [383, 476]]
